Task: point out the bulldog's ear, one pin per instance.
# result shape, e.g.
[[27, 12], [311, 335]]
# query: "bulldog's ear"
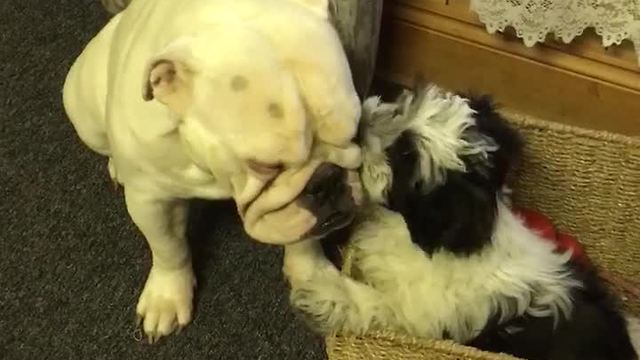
[[169, 74], [321, 7]]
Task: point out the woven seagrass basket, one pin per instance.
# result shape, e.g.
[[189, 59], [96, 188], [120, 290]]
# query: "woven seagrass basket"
[[588, 183]]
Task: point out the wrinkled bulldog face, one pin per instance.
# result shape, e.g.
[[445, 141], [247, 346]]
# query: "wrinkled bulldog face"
[[252, 129], [304, 202]]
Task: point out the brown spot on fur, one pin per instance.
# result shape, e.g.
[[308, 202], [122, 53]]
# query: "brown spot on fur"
[[275, 111], [239, 83]]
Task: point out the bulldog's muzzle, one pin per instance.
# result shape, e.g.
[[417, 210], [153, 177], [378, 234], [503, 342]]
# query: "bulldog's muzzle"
[[325, 201], [329, 197]]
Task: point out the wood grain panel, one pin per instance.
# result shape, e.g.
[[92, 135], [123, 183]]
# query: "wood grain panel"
[[457, 61], [589, 45], [544, 54]]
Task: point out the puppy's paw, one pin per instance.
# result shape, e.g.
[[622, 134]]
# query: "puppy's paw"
[[166, 302], [326, 303], [317, 309], [337, 304]]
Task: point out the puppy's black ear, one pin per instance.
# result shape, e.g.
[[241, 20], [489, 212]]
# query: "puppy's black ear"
[[404, 157], [508, 141]]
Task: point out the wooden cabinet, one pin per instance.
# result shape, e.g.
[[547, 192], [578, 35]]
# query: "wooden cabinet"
[[580, 83]]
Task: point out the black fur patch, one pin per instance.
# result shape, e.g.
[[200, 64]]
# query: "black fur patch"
[[490, 123], [596, 329], [458, 215]]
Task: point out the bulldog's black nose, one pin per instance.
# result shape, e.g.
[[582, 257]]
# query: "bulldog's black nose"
[[327, 196], [325, 181]]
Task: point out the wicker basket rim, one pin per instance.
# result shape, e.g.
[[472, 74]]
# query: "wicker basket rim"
[[602, 135], [442, 346]]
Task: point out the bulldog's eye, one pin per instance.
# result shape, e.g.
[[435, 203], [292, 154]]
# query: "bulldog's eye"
[[264, 169]]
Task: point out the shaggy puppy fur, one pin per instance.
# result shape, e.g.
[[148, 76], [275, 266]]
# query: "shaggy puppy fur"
[[438, 253]]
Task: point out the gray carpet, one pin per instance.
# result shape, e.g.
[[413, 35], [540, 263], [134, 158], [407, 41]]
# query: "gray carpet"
[[71, 263]]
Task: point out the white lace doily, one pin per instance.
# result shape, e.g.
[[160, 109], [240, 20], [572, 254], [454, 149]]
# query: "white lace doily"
[[613, 20]]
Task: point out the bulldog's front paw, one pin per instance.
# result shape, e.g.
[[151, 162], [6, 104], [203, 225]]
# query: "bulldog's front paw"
[[166, 302]]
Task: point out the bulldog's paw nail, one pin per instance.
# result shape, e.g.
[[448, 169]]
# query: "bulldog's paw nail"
[[138, 335], [165, 300]]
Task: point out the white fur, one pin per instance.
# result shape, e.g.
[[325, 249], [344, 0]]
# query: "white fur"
[[320, 7], [404, 289], [439, 120], [633, 326], [381, 126]]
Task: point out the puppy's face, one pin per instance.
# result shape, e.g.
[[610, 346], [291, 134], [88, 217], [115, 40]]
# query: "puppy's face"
[[441, 161], [243, 116]]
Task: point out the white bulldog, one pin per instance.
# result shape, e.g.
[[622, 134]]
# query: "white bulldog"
[[245, 99]]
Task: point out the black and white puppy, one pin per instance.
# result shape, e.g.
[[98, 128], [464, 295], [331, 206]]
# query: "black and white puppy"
[[438, 253]]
